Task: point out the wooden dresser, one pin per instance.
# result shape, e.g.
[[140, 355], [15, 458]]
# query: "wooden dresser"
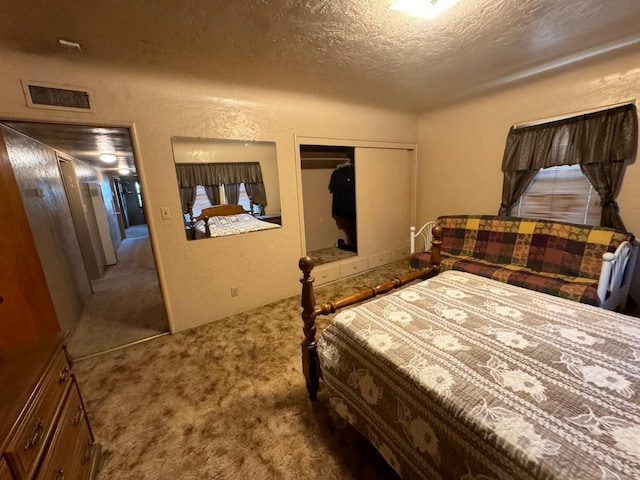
[[44, 431]]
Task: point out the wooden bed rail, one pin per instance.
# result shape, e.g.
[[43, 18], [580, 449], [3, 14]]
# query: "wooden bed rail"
[[310, 311]]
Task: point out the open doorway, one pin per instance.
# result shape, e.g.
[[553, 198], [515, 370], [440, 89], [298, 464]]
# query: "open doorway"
[[105, 202], [129, 195]]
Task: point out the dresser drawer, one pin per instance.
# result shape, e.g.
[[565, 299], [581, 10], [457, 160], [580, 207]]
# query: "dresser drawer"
[[352, 267], [70, 453], [26, 446], [380, 259], [326, 274]]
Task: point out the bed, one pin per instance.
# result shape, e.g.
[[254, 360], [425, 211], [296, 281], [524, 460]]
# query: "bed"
[[463, 377], [227, 219]]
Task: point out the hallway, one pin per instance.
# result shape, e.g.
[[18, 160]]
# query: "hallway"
[[126, 305]]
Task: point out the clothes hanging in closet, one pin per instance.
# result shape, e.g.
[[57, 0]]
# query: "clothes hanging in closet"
[[343, 187]]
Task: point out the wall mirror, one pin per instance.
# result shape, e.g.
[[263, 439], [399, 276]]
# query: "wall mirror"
[[227, 187]]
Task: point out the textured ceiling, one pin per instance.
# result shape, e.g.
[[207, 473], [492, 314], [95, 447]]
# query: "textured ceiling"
[[354, 50], [358, 50], [83, 142]]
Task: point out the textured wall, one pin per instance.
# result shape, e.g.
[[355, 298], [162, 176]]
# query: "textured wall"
[[461, 147], [196, 277]]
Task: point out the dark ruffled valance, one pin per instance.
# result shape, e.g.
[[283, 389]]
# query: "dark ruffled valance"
[[600, 142], [600, 137], [193, 174], [212, 175]]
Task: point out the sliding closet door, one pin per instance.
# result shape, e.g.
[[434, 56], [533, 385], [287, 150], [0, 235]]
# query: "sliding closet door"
[[384, 191]]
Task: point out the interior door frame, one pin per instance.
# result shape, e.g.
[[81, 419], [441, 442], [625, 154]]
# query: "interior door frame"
[[131, 126], [343, 142]]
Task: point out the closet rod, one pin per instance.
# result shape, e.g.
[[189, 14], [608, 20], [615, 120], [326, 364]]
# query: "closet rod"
[[530, 123]]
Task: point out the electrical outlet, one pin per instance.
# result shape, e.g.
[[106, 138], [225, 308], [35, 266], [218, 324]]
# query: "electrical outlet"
[[165, 212], [234, 291]]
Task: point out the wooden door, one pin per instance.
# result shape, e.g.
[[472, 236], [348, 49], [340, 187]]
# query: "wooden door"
[[26, 308]]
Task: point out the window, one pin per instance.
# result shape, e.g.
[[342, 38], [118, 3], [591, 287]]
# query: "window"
[[138, 195], [601, 142], [560, 193], [202, 201]]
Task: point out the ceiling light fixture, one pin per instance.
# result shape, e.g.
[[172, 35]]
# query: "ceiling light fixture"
[[423, 8], [124, 171], [108, 158]]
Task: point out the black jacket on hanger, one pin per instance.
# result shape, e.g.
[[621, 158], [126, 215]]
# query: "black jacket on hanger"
[[343, 187]]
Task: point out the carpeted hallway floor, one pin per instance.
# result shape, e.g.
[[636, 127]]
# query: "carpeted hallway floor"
[[126, 305], [225, 401]]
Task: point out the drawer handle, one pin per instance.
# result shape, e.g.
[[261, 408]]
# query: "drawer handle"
[[60, 474], [64, 375], [88, 452], [79, 416], [38, 430]]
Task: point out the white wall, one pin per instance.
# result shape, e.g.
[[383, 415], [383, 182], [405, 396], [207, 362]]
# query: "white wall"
[[461, 146], [196, 277]]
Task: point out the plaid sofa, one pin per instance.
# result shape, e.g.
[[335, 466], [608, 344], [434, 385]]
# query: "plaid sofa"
[[561, 259]]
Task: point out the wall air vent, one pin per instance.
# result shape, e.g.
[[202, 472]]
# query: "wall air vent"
[[57, 97]]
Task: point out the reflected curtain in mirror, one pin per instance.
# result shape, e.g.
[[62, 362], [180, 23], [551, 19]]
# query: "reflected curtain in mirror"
[[227, 187], [212, 175], [187, 198], [213, 194]]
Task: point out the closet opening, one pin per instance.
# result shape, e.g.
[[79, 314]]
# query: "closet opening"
[[329, 193]]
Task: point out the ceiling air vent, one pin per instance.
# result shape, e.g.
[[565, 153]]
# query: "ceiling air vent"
[[40, 95]]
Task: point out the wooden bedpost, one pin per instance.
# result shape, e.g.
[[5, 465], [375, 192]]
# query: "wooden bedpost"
[[310, 366], [310, 311]]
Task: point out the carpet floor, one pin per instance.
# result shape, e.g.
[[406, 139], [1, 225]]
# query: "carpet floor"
[[329, 254], [126, 305], [226, 400]]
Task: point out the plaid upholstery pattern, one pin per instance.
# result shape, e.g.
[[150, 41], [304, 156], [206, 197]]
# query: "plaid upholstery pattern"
[[561, 259]]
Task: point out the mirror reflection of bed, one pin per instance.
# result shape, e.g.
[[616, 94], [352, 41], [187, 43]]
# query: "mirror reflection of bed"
[[328, 184], [227, 187], [228, 219]]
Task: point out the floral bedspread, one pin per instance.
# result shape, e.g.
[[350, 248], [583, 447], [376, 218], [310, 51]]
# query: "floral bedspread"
[[232, 225], [463, 377]]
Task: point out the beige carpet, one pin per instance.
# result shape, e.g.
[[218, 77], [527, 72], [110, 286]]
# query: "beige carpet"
[[126, 305], [225, 401], [329, 254]]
